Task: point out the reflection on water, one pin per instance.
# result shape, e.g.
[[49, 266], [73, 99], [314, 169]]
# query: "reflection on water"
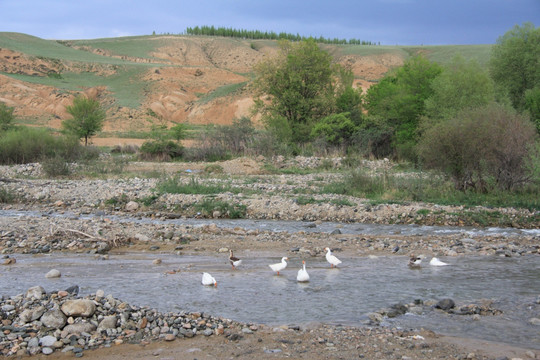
[[344, 295]]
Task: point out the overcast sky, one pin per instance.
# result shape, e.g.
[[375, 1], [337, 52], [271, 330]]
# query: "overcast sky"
[[390, 22]]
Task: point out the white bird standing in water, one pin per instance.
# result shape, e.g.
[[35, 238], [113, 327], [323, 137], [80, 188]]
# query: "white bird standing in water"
[[303, 275], [436, 262], [334, 261], [279, 266], [208, 279]]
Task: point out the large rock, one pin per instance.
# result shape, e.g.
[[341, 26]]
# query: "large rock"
[[31, 314], [79, 307], [35, 292], [132, 206], [48, 340], [54, 319], [445, 304], [108, 322], [53, 273], [77, 329]]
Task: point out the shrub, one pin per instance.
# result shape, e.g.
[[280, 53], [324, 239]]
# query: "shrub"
[[25, 145], [174, 185], [125, 149], [336, 129], [232, 211], [161, 150], [56, 166], [6, 117], [492, 141], [6, 196], [214, 169], [222, 142]]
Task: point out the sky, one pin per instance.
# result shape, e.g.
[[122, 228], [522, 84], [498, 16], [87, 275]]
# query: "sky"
[[388, 22]]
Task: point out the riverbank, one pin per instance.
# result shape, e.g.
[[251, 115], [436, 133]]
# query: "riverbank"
[[80, 216], [62, 325]]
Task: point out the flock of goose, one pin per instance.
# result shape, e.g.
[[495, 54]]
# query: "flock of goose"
[[303, 275]]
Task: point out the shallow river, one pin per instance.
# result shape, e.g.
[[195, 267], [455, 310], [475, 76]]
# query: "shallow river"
[[338, 296]]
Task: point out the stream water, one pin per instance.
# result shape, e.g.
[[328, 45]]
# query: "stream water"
[[253, 293], [294, 226]]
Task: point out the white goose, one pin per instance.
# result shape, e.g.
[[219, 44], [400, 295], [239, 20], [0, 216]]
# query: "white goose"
[[436, 262], [303, 275], [279, 266], [234, 260], [208, 279], [334, 261]]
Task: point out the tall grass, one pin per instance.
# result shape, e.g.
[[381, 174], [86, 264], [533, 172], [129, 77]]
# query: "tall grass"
[[428, 188], [174, 185], [26, 145]]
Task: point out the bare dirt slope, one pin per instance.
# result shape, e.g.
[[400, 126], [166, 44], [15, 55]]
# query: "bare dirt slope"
[[181, 71]]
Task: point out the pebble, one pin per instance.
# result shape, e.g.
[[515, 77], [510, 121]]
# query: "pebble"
[[118, 321]]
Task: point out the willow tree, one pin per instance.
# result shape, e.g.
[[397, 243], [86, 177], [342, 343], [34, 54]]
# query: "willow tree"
[[296, 89]]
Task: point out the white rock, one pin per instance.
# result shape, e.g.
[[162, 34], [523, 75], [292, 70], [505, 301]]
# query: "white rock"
[[48, 340], [53, 274], [132, 206]]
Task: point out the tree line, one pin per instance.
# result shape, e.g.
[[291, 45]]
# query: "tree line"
[[268, 35]]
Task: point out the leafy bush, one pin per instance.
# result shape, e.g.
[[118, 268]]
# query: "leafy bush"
[[6, 117], [373, 139], [25, 145], [125, 149], [336, 129], [492, 141], [161, 150], [56, 166]]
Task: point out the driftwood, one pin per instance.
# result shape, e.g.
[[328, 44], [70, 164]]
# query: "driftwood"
[[94, 238], [112, 242]]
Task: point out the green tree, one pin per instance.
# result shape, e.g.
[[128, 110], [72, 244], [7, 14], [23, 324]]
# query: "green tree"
[[515, 62], [399, 99], [6, 117], [179, 132], [87, 118], [297, 87], [532, 105], [461, 84]]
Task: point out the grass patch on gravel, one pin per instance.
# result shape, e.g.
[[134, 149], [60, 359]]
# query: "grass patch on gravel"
[[208, 207], [385, 187], [174, 185], [6, 196]]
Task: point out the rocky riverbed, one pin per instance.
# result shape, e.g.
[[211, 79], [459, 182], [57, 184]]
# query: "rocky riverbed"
[[64, 224]]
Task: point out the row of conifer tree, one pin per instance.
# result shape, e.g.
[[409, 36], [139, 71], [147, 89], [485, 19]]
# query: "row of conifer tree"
[[268, 35]]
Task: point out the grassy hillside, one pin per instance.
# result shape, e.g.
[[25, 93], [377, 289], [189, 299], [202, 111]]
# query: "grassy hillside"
[[191, 79]]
